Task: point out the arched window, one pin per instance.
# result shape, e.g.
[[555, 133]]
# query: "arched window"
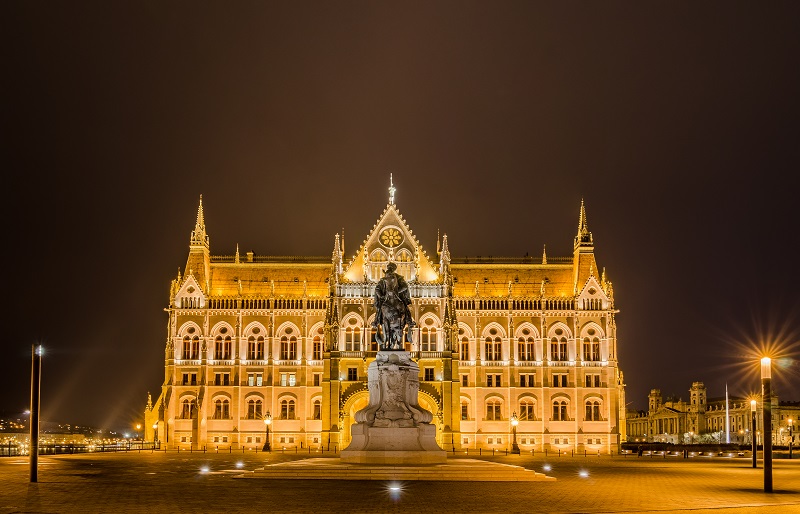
[[493, 410], [187, 409], [591, 349], [464, 349], [287, 409], [254, 409], [222, 408], [428, 338], [527, 410], [317, 350], [560, 410], [493, 349], [525, 349], [222, 348], [288, 348], [404, 256], [352, 339], [593, 410], [317, 409], [255, 348], [191, 348], [558, 349], [464, 410]]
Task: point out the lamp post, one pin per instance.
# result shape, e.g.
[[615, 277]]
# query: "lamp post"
[[791, 437], [514, 423], [753, 430], [138, 429], [267, 423], [155, 433], [36, 384], [766, 409]]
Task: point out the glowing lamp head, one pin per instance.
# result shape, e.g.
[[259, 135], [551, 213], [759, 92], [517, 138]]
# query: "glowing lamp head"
[[514, 419], [766, 368], [155, 425], [753, 405]]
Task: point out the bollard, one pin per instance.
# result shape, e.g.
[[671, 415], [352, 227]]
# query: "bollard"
[[479, 451]]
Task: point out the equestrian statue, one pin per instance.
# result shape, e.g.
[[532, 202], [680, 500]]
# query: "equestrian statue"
[[392, 315]]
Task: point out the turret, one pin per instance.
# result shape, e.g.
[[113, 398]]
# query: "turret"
[[583, 256], [199, 262], [655, 400], [444, 257]]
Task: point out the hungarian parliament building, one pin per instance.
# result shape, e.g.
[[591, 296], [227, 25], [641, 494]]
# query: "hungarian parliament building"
[[280, 345]]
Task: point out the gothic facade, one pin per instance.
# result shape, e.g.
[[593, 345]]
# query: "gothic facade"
[[289, 339]]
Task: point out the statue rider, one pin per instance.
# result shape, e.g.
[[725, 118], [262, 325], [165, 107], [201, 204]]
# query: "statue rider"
[[391, 302]]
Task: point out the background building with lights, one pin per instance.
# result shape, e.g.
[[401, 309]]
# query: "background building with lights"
[[702, 419], [253, 336]]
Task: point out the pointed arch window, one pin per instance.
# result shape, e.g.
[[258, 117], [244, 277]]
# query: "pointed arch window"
[[255, 348], [560, 410], [527, 410], [288, 348], [317, 349], [591, 349], [254, 409], [187, 409], [352, 339], [593, 410], [428, 338], [558, 349], [317, 409], [493, 410], [222, 348], [464, 349], [191, 348], [526, 349], [222, 409], [287, 409], [493, 349]]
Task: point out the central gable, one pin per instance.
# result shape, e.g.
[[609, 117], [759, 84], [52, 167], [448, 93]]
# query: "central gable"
[[390, 240]]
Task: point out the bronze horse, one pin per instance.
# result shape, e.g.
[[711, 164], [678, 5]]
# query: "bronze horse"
[[392, 315]]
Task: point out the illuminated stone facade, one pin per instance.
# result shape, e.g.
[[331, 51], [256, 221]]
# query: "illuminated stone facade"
[[292, 336], [702, 419]]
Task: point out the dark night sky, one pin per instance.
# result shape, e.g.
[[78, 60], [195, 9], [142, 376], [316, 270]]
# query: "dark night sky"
[[677, 122]]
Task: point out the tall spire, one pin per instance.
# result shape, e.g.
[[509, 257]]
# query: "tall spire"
[[342, 243], [584, 237], [444, 257], [199, 236], [336, 257], [544, 254], [392, 190]]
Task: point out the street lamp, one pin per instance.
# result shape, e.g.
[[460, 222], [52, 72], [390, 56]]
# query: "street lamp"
[[691, 437], [514, 423], [267, 423], [753, 430], [155, 432], [791, 437], [138, 428], [766, 409]]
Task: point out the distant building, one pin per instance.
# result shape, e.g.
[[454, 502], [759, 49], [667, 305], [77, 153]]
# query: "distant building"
[[290, 338], [702, 419]]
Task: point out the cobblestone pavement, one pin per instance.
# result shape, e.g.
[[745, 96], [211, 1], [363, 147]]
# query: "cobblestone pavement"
[[197, 482]]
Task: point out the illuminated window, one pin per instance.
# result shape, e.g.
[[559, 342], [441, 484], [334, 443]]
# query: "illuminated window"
[[255, 348], [221, 409], [591, 349], [187, 409], [428, 338], [288, 348], [254, 409], [493, 410], [317, 350], [526, 410], [352, 339], [593, 410], [560, 410], [558, 349], [191, 348], [287, 409], [525, 349], [492, 349]]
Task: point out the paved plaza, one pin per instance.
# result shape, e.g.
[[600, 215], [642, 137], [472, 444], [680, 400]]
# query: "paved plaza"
[[197, 482]]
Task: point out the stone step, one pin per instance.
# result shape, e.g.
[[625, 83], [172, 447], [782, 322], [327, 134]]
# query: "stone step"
[[463, 470]]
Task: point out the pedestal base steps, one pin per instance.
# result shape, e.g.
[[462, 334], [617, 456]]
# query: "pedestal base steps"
[[461, 470]]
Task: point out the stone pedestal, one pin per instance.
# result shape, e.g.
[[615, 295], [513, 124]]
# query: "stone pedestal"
[[393, 428]]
